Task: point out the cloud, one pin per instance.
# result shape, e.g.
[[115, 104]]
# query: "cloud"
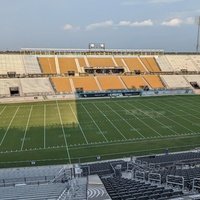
[[172, 22], [70, 27], [104, 24], [147, 22], [176, 22]]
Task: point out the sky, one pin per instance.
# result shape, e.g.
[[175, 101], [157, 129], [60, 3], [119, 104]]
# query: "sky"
[[120, 24]]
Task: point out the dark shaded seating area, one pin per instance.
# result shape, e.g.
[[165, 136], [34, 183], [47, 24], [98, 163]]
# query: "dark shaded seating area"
[[103, 168], [187, 174], [170, 159], [126, 189]]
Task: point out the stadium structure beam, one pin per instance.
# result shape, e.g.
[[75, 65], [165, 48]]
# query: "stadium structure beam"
[[198, 32]]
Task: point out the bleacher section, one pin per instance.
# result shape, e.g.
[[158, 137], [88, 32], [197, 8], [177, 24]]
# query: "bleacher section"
[[170, 159], [119, 61], [31, 64], [102, 168], [134, 63], [48, 65], [33, 86], [61, 84], [134, 82], [193, 80], [101, 62], [110, 83], [154, 81], [81, 61], [67, 73], [86, 83], [32, 175], [7, 84], [11, 63], [164, 64], [181, 62], [122, 188], [32, 192], [196, 61], [175, 81], [150, 63], [67, 64]]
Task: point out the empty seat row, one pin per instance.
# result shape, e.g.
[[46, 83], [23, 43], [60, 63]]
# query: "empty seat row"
[[125, 189]]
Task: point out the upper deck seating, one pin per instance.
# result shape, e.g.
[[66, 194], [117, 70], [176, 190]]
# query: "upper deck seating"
[[11, 63], [67, 64], [87, 83], [134, 82], [48, 65], [154, 81], [31, 64], [119, 62], [181, 62], [133, 63], [196, 61], [164, 64], [62, 84], [81, 62], [110, 82], [175, 81], [150, 63], [36, 86], [100, 62]]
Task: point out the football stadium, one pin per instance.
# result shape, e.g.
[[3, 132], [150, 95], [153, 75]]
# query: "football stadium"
[[100, 123]]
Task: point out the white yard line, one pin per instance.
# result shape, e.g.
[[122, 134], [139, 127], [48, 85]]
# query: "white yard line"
[[189, 108], [169, 118], [125, 121], [94, 122], [78, 124], [103, 144], [182, 116], [110, 122], [22, 145], [63, 130], [156, 119], [3, 110], [44, 126], [141, 121], [9, 125]]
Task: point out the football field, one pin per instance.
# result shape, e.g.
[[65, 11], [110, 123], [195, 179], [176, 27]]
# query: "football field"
[[79, 131]]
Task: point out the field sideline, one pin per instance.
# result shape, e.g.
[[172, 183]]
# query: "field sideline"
[[78, 131]]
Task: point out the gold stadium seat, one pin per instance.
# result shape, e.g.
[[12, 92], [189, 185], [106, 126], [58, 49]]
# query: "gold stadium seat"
[[134, 64], [88, 83], [154, 81], [82, 62], [110, 82], [48, 65], [134, 82], [100, 62], [67, 64], [119, 62], [150, 63], [61, 84]]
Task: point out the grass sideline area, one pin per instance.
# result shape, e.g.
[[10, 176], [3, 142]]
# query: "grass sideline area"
[[79, 131]]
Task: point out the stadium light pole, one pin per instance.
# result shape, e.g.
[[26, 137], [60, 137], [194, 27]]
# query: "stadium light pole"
[[198, 32]]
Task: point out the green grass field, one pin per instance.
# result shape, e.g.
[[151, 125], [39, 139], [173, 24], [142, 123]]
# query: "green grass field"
[[78, 131]]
